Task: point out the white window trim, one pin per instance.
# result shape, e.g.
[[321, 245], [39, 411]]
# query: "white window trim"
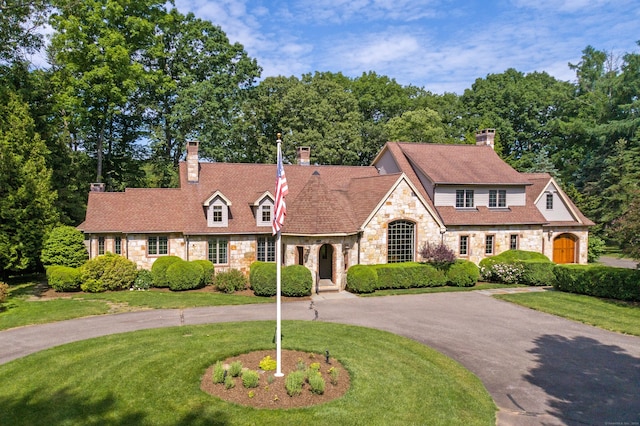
[[219, 203]]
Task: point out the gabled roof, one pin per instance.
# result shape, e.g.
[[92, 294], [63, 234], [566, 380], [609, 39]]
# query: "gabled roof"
[[539, 184], [461, 164]]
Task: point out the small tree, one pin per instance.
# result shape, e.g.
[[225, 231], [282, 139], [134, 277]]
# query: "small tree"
[[64, 246], [437, 254]]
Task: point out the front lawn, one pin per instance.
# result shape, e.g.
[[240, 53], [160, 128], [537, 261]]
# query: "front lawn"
[[607, 314], [152, 377], [26, 304]]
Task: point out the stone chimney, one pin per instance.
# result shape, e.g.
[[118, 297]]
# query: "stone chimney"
[[192, 162], [97, 187], [303, 155], [486, 137]]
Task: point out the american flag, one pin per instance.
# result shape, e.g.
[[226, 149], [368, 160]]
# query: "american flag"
[[282, 189]]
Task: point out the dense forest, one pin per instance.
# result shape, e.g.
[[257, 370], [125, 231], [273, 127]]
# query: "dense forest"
[[128, 83]]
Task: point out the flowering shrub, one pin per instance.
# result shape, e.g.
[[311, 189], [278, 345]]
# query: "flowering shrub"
[[507, 273], [267, 363]]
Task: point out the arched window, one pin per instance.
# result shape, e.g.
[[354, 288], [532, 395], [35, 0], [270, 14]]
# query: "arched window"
[[400, 241]]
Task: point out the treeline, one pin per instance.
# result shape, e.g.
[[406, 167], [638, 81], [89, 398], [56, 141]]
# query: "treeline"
[[128, 83]]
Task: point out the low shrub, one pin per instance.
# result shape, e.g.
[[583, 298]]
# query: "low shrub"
[[267, 363], [183, 275], [334, 373], [64, 278], [316, 383], [235, 369], [463, 273], [230, 281], [262, 277], [4, 291], [439, 255], [536, 273], [143, 281], [598, 281], [218, 375], [296, 281], [208, 272], [92, 285], [229, 383], [250, 379], [112, 271], [362, 279], [159, 270], [294, 382]]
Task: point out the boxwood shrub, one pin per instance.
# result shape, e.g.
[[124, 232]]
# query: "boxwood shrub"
[[111, 271], [409, 275], [362, 279], [262, 278], [537, 273], [208, 271], [296, 281], [183, 275], [599, 281], [159, 270], [463, 273], [64, 278]]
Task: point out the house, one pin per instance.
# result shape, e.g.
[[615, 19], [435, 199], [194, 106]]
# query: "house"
[[337, 216]]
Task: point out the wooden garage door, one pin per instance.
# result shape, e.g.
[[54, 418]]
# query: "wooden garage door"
[[564, 249]]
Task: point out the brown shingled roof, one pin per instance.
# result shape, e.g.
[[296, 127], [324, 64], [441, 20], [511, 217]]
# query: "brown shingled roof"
[[457, 164]]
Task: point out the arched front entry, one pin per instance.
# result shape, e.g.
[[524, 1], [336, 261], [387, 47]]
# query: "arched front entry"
[[325, 262], [564, 249]]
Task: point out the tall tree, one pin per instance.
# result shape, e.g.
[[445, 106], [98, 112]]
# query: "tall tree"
[[19, 21], [199, 80], [27, 208], [95, 48]]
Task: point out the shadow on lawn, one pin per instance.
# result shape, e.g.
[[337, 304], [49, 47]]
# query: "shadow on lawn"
[[41, 407], [591, 383]]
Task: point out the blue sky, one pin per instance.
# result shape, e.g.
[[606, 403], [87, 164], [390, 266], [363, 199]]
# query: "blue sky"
[[441, 45]]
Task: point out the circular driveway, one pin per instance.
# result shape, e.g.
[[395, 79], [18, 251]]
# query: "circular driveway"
[[539, 369]]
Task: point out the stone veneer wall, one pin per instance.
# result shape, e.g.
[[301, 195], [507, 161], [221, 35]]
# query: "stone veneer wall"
[[402, 204], [529, 239]]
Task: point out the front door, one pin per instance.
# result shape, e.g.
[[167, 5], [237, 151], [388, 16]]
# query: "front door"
[[326, 262], [564, 249]]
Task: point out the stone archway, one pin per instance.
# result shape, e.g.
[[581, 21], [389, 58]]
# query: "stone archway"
[[565, 248]]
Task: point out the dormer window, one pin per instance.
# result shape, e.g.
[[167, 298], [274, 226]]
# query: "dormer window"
[[217, 210], [464, 198], [497, 198], [263, 208]]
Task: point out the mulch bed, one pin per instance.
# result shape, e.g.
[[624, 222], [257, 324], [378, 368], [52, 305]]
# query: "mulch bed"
[[274, 395]]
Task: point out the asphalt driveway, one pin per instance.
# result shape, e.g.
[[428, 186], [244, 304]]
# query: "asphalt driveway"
[[539, 369]]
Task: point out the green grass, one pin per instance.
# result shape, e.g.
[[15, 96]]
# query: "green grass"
[[443, 289], [23, 307], [152, 377], [607, 314]]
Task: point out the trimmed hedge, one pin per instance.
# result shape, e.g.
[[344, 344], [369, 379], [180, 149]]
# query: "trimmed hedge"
[[409, 275], [296, 280], [159, 270], [463, 273], [108, 272], [64, 278], [537, 273], [362, 279], [598, 281], [208, 271], [182, 275]]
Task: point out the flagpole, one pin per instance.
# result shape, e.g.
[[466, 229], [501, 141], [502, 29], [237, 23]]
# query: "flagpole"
[[278, 290]]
